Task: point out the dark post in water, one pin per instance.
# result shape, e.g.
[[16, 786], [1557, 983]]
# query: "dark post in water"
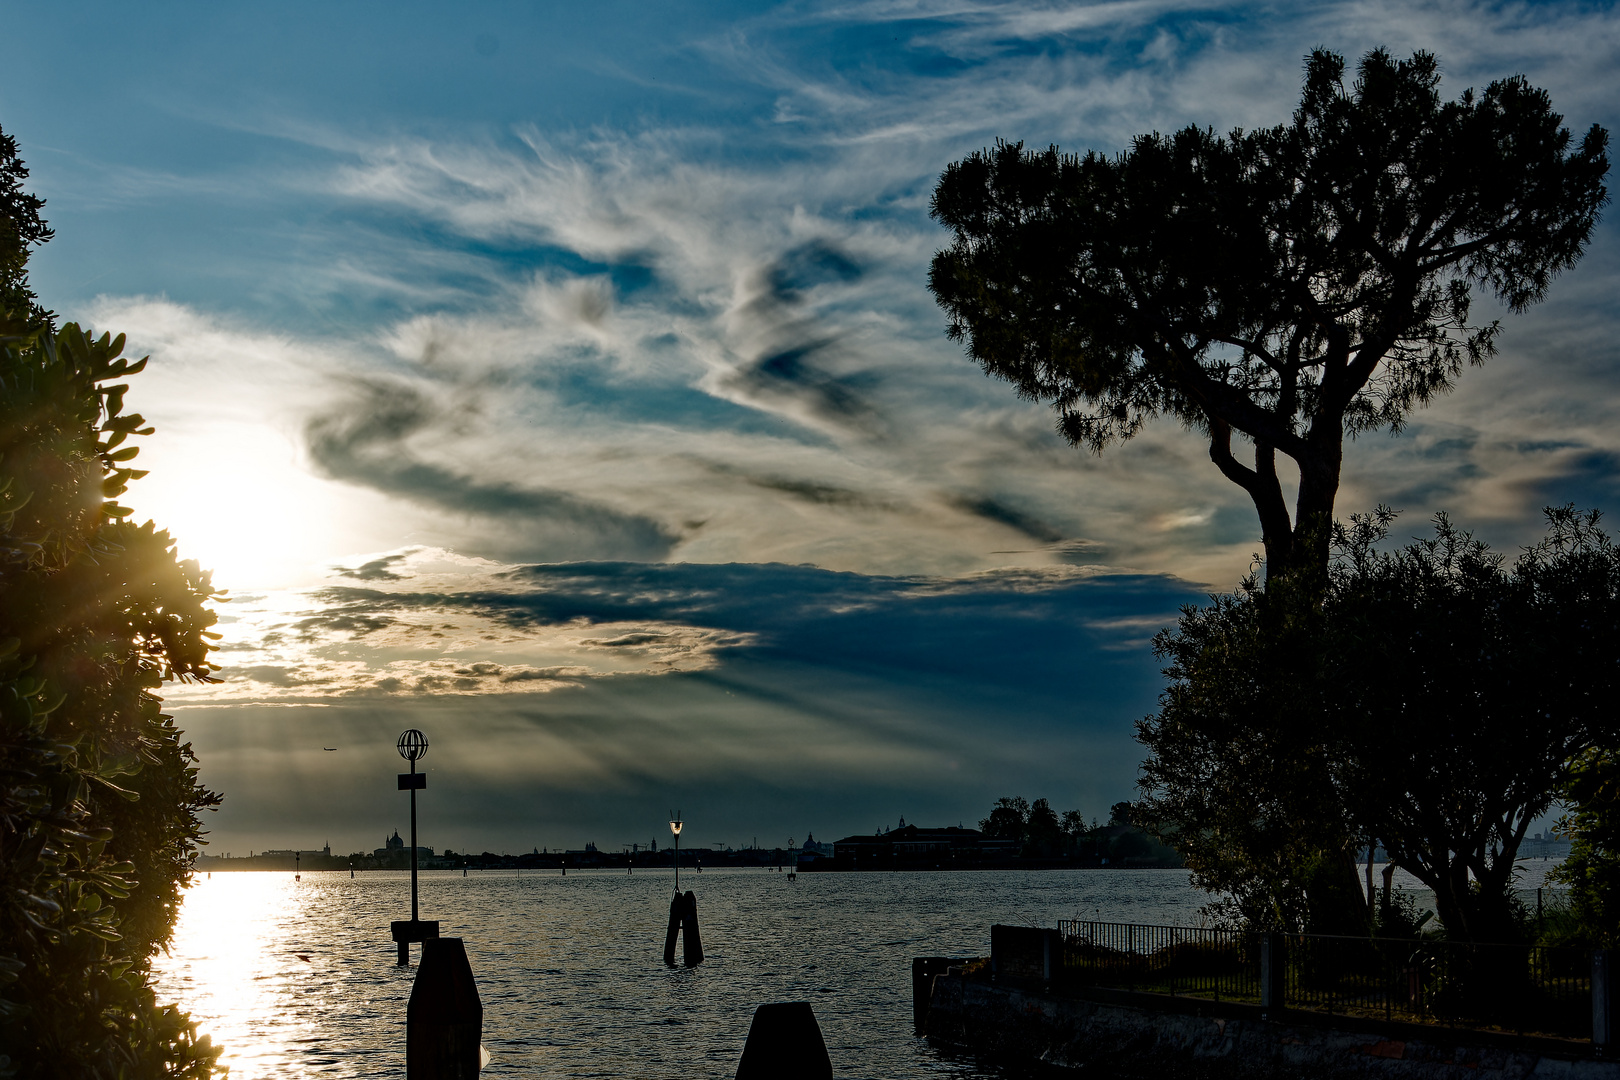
[[785, 1043], [412, 746], [444, 1022]]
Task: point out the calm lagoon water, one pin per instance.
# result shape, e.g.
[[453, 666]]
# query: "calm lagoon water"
[[298, 978]]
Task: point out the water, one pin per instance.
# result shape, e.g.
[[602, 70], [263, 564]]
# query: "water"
[[299, 978]]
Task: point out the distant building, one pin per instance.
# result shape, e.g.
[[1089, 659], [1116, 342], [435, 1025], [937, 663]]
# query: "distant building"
[[394, 853], [1548, 845], [298, 853], [911, 844]]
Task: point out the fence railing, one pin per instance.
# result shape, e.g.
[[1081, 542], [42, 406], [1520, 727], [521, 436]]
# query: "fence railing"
[[1522, 988], [1221, 964]]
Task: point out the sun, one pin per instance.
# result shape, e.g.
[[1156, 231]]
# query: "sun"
[[237, 498]]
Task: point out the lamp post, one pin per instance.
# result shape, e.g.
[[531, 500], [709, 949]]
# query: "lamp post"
[[412, 746], [675, 825]]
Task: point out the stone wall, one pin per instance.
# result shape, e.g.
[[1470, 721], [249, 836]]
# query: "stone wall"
[[1127, 1036]]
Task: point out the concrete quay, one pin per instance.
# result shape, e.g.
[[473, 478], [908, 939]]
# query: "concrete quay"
[[1126, 1036]]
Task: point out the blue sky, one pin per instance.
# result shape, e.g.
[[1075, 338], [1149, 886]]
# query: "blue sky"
[[436, 296]]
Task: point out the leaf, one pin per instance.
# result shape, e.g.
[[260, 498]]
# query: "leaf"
[[43, 903], [123, 793]]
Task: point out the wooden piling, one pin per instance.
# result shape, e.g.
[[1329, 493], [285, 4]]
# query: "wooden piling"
[[677, 905], [683, 917], [691, 940], [444, 1022], [785, 1043]]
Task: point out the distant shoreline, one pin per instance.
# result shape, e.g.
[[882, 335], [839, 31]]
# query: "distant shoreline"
[[231, 866]]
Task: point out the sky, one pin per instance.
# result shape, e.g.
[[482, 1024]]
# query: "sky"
[[562, 380]]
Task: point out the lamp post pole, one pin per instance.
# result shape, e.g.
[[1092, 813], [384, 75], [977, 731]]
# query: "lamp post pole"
[[675, 824], [413, 841], [412, 745]]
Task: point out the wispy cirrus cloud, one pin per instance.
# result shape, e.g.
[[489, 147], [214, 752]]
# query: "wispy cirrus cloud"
[[367, 440], [794, 291]]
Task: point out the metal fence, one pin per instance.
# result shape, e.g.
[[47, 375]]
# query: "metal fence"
[[1220, 964], [1522, 988]]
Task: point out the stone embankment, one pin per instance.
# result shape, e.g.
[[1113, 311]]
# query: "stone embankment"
[[1127, 1036]]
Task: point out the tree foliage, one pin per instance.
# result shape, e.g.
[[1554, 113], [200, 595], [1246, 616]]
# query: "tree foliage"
[[1429, 700], [1007, 818], [1035, 826], [1042, 833], [1293, 285], [21, 230], [99, 797], [1592, 870], [1240, 770]]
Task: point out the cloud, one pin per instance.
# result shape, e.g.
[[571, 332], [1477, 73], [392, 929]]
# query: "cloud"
[[430, 629], [569, 696], [993, 510], [368, 441], [376, 569]]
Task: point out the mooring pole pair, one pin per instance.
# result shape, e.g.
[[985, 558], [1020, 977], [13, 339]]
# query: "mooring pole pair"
[[412, 746]]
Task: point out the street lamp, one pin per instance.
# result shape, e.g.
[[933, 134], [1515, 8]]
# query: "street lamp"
[[412, 746], [675, 826]]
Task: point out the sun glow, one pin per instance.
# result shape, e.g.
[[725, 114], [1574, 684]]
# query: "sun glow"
[[237, 499]]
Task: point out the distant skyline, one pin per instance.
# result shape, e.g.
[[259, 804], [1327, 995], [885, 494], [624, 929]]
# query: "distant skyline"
[[562, 380]]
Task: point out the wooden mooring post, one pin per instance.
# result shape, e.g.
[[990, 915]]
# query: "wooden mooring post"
[[785, 1043], [683, 923], [444, 1022]]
